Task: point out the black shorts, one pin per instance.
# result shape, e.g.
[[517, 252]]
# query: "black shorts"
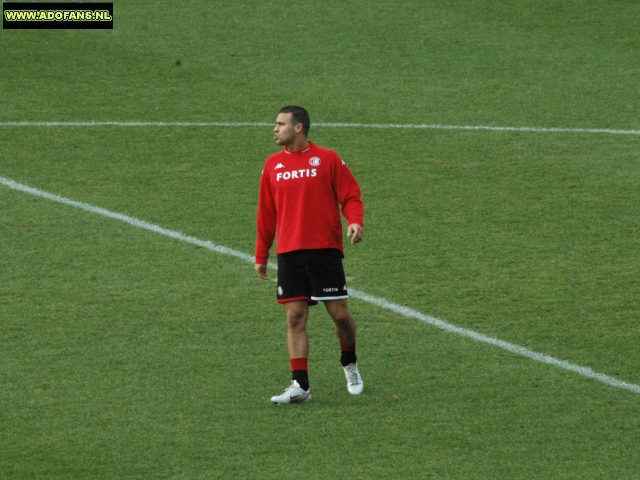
[[311, 275]]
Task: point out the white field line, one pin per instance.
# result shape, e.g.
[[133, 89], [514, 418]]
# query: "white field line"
[[325, 124], [380, 302]]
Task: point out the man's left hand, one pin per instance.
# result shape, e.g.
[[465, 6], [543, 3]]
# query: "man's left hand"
[[355, 232]]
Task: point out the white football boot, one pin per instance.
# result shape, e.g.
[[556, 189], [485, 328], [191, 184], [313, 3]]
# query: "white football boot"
[[293, 394], [354, 380]]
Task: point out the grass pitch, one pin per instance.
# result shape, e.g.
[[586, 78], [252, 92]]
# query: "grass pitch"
[[125, 354]]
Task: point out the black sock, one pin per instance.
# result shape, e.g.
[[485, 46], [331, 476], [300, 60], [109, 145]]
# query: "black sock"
[[347, 358], [302, 377]]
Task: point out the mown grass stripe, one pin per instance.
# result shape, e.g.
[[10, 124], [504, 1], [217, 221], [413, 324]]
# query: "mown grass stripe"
[[380, 302], [422, 126]]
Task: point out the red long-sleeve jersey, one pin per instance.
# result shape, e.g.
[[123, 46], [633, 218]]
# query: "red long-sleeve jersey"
[[300, 197]]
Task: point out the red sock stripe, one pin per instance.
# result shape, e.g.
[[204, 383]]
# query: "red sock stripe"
[[299, 364], [347, 348]]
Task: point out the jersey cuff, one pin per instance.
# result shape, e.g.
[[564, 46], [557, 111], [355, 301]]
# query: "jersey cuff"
[[262, 260]]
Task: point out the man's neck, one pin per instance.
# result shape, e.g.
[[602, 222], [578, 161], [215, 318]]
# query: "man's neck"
[[298, 144]]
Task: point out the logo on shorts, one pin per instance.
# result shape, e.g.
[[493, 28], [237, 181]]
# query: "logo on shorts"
[[314, 161], [280, 291], [344, 288]]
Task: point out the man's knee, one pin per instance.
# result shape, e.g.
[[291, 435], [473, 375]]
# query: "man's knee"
[[338, 310], [296, 315], [296, 321], [343, 320]]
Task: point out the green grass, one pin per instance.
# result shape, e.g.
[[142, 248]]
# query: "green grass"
[[125, 354]]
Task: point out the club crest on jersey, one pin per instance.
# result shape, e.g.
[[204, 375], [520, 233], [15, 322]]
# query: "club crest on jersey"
[[314, 161]]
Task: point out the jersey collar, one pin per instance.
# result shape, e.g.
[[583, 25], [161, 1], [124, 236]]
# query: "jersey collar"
[[299, 152]]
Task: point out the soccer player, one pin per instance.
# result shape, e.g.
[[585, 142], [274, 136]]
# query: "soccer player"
[[301, 191]]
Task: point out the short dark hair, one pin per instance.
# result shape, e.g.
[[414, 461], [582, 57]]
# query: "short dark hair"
[[298, 115]]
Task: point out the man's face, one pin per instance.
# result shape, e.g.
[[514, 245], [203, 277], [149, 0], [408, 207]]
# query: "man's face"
[[284, 131]]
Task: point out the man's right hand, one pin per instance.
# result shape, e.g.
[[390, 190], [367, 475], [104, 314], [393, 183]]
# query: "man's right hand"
[[262, 271]]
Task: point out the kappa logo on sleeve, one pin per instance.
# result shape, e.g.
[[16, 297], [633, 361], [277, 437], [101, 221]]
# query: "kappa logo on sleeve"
[[279, 166]]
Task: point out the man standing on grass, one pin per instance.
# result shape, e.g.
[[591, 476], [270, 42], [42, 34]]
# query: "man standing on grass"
[[301, 190]]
